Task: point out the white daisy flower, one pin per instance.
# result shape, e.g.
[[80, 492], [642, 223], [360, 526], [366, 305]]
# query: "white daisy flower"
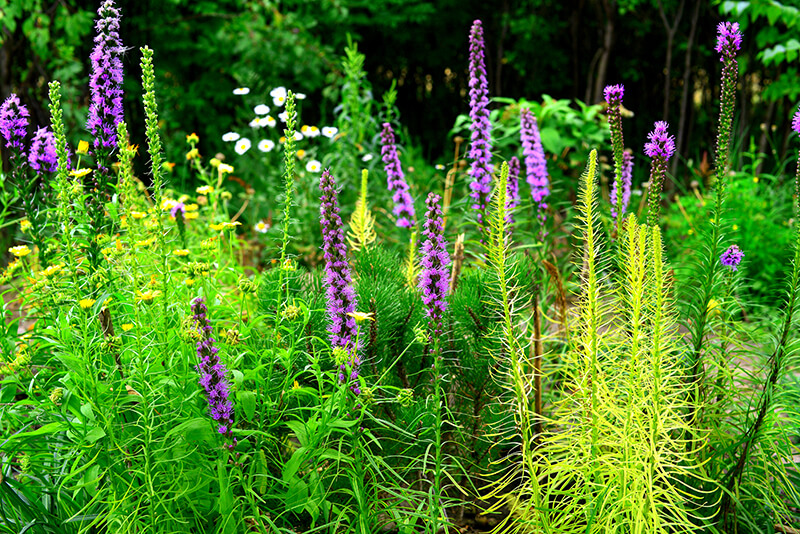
[[298, 136], [265, 145], [261, 227], [439, 167], [261, 109], [242, 145], [366, 157], [284, 117], [313, 131], [241, 90], [330, 131], [270, 121], [278, 91], [256, 123], [230, 136], [300, 96], [313, 166]]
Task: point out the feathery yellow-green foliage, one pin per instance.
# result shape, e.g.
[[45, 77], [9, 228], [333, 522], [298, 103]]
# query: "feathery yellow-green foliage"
[[362, 222]]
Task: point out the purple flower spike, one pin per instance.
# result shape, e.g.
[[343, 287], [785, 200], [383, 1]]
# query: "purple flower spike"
[[42, 157], [627, 175], [660, 148], [213, 373], [480, 152], [433, 280], [178, 208], [732, 257], [614, 94], [14, 123], [729, 39], [535, 162], [339, 292], [796, 121], [105, 82], [396, 180]]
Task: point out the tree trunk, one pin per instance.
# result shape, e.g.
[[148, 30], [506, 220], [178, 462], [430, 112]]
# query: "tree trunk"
[[687, 89]]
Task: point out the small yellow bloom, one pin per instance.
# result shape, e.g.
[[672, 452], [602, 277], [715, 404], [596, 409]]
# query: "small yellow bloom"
[[191, 207], [360, 317], [755, 179], [169, 166], [181, 252], [24, 225], [295, 385], [52, 270], [217, 226], [691, 231], [301, 154], [190, 282], [231, 225], [205, 190], [192, 138], [138, 215], [735, 227], [79, 173], [127, 327], [86, 303], [190, 215], [193, 153], [20, 250], [146, 242], [214, 162], [224, 168], [282, 140], [168, 203], [83, 147], [148, 296]]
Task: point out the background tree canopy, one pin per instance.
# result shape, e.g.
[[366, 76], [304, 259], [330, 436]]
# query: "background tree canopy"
[[565, 49]]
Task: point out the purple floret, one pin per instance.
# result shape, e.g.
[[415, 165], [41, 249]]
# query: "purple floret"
[[14, 123], [43, 157], [396, 180], [627, 175], [480, 152], [732, 257], [434, 279], [729, 39]]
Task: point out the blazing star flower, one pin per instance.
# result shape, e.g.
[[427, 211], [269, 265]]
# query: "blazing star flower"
[[230, 136], [512, 190], [105, 81], [396, 180], [330, 131], [178, 208], [14, 123], [313, 166], [660, 148], [265, 145], [241, 91], [732, 257], [434, 278], [613, 95], [242, 145], [261, 109], [481, 148], [627, 174], [340, 294], [535, 162], [213, 372], [42, 157], [729, 39], [796, 121]]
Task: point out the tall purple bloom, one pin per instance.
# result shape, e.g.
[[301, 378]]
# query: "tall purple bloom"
[[42, 157], [660, 148], [627, 175], [535, 162], [396, 180], [796, 128], [340, 294], [613, 95], [732, 257], [212, 371], [433, 280], [14, 123], [512, 190], [480, 151], [729, 40], [105, 82]]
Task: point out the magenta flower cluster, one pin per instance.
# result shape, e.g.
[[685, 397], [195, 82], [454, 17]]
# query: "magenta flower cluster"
[[661, 145], [105, 81], [212, 371], [42, 157], [396, 180], [339, 286], [732, 257], [627, 176], [512, 190], [480, 152], [796, 121], [14, 123], [533, 153], [434, 278], [729, 39]]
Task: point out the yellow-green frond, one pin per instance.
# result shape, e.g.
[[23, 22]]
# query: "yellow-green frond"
[[362, 222]]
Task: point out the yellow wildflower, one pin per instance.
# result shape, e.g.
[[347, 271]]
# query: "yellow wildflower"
[[168, 203], [191, 215], [214, 162], [755, 179], [148, 296], [193, 153], [181, 252], [168, 166], [192, 138], [52, 270], [191, 207], [205, 190], [138, 215], [83, 147], [301, 154], [360, 317], [217, 226], [127, 327], [189, 282], [20, 250], [79, 173], [24, 225], [146, 242], [225, 168], [735, 227], [86, 303], [282, 140]]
